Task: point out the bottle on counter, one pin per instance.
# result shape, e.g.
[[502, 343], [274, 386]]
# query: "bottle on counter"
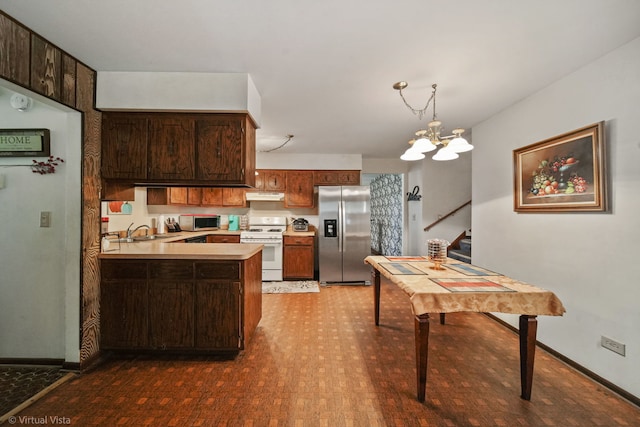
[[104, 228], [162, 226]]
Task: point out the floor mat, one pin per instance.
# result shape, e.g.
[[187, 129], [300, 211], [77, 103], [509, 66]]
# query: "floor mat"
[[19, 383], [295, 287]]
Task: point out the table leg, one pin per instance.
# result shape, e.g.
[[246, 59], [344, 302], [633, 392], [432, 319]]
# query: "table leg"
[[422, 353], [376, 295], [528, 329]]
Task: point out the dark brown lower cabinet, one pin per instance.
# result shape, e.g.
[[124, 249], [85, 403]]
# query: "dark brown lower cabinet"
[[171, 315], [217, 320], [180, 305], [122, 315]]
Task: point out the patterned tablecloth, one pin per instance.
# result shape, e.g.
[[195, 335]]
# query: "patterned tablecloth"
[[463, 287]]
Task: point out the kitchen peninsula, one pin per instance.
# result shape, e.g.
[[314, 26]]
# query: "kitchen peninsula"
[[164, 295]]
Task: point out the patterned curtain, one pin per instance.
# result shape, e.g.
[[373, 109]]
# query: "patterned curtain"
[[386, 214]]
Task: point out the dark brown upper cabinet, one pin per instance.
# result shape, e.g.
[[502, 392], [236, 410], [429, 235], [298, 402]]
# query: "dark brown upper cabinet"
[[172, 149], [124, 146], [179, 149]]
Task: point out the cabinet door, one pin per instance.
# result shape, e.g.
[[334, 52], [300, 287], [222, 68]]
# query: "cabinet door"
[[124, 146], [220, 150], [211, 197], [171, 314], [234, 197], [299, 193], [123, 314], [177, 196], [349, 177], [218, 314], [172, 153], [274, 180], [298, 261], [325, 177]]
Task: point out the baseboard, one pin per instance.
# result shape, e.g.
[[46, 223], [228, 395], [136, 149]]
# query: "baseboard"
[[31, 361], [586, 372]]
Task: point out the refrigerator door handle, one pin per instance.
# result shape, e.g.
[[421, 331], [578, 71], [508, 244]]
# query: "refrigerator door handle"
[[341, 224]]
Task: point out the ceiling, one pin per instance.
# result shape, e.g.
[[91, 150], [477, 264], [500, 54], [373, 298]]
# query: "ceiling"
[[325, 69]]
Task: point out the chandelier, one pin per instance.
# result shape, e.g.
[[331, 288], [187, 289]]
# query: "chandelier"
[[430, 138]]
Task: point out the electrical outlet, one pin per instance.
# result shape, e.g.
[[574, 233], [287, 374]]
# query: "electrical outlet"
[[45, 219], [612, 345]]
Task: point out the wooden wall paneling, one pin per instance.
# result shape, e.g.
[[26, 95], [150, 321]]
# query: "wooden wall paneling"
[[90, 267], [14, 51], [68, 95], [31, 61], [46, 68]]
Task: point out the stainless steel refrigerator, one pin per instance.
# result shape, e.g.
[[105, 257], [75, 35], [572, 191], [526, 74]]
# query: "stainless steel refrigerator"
[[344, 235]]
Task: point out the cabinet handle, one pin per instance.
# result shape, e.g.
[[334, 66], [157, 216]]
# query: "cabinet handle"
[[219, 147]]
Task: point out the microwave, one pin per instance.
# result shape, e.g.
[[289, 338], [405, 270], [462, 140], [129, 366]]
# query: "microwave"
[[194, 222]]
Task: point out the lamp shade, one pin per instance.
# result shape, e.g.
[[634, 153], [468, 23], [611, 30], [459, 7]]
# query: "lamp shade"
[[412, 154], [459, 145], [445, 154], [423, 145]]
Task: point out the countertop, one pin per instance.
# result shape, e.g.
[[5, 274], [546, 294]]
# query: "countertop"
[[170, 247], [310, 233]]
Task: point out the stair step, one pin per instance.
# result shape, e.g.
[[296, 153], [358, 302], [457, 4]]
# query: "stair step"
[[465, 244], [463, 256]]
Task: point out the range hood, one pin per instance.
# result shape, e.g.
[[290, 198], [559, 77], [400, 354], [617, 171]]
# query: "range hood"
[[264, 197]]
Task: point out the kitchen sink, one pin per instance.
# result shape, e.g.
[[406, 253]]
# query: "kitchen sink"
[[149, 237]]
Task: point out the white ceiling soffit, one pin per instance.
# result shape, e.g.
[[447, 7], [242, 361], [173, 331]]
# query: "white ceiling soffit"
[[161, 91]]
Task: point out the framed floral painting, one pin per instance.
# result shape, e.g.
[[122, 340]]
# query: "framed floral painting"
[[565, 173]]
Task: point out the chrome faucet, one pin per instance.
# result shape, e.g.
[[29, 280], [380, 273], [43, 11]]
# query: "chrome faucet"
[[130, 231]]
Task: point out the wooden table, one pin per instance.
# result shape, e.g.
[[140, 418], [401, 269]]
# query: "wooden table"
[[460, 287]]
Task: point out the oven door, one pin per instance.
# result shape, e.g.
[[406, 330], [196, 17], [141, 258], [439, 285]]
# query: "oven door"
[[271, 257]]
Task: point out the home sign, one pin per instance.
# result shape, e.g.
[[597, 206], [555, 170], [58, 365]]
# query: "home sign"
[[24, 143]]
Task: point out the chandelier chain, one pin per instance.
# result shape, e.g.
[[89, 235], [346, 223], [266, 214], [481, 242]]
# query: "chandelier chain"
[[420, 113]]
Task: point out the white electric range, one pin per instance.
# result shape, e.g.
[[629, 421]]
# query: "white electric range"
[[267, 231]]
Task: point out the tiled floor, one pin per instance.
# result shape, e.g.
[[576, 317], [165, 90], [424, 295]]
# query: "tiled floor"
[[318, 360]]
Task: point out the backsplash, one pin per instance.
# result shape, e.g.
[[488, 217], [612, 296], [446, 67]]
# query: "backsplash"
[[141, 213]]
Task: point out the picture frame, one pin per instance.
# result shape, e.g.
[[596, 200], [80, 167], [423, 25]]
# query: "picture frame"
[[565, 173], [25, 143]]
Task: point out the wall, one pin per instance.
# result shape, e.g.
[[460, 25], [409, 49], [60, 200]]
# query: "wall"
[[314, 161], [40, 281], [590, 260], [444, 186]]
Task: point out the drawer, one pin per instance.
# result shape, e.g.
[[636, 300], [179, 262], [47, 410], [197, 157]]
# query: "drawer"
[[171, 270], [123, 269], [228, 270], [298, 240], [223, 238]]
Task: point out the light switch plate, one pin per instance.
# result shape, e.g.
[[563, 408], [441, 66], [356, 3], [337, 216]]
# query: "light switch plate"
[[45, 219]]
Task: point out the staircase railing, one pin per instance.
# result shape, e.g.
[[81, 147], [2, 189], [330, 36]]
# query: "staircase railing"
[[439, 220]]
